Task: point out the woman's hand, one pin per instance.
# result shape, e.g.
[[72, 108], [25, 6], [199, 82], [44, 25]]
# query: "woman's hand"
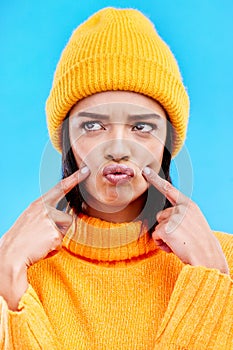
[[38, 233], [41, 227], [183, 229]]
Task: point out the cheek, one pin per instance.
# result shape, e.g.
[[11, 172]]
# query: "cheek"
[[158, 157], [85, 152], [150, 154], [156, 149]]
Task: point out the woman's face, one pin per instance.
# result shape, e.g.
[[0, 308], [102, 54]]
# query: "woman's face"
[[116, 134]]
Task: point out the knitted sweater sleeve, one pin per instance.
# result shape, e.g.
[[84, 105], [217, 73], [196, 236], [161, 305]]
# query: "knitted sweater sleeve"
[[28, 328], [200, 310]]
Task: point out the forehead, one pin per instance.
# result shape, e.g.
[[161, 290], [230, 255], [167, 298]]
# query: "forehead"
[[119, 110], [118, 103]]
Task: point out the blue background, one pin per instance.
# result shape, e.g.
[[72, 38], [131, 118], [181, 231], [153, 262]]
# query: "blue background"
[[33, 34]]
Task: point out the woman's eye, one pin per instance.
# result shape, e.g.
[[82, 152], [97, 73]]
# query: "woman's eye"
[[143, 127], [92, 126]]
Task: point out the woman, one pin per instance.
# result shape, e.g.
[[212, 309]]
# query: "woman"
[[97, 274]]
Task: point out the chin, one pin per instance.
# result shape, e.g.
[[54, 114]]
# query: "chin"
[[115, 201]]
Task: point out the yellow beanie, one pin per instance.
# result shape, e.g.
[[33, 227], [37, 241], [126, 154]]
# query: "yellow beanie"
[[117, 49]]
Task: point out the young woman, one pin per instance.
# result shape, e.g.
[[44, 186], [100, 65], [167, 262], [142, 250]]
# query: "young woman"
[[114, 256]]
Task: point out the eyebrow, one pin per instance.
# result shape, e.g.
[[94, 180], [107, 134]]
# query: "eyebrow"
[[93, 115], [130, 117], [144, 116]]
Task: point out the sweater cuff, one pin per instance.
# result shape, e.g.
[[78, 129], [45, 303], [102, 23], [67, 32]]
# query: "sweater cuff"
[[28, 298], [200, 311], [28, 327], [7, 315]]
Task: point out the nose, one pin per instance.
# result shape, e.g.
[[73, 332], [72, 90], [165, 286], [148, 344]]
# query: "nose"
[[117, 150]]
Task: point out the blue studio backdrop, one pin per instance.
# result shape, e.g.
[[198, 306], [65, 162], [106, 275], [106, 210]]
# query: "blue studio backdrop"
[[33, 34]]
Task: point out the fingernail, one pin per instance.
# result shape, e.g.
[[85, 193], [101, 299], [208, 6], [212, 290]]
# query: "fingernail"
[[146, 170], [84, 170]]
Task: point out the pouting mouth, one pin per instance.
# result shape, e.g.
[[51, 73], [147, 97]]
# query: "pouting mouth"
[[118, 169]]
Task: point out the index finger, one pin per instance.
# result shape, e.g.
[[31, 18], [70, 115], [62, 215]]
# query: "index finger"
[[166, 188], [55, 194]]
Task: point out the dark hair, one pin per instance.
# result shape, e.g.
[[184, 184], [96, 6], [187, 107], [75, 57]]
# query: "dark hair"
[[155, 200]]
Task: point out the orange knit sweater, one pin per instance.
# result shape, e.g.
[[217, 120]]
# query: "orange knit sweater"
[[111, 288]]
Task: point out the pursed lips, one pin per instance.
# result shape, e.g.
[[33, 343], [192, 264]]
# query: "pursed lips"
[[118, 173]]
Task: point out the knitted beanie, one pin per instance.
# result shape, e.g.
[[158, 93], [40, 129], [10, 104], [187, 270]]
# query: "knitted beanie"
[[117, 49]]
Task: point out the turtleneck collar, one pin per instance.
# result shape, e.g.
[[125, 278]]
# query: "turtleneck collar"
[[99, 240]]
